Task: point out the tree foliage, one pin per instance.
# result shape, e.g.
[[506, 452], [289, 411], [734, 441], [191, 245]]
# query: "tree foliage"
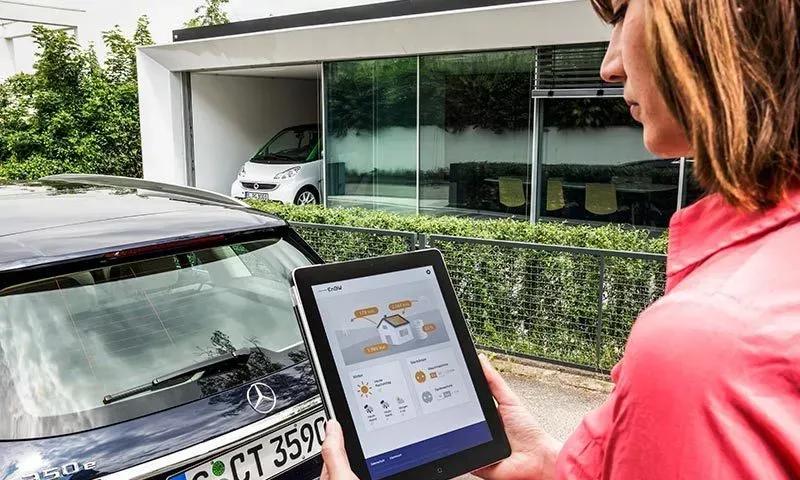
[[73, 114], [210, 13]]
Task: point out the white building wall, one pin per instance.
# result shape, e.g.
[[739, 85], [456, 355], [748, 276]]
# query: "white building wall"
[[439, 148], [162, 122], [93, 17], [234, 116]]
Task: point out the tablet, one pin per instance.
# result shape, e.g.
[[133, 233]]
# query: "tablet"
[[397, 367]]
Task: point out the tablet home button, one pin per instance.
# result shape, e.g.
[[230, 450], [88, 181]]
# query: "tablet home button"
[[439, 470]]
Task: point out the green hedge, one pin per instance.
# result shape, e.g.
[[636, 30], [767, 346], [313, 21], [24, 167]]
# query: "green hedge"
[[609, 237], [521, 300]]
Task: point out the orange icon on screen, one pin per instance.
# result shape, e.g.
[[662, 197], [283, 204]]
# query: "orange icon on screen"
[[364, 389], [420, 376], [377, 348], [400, 305], [364, 312]]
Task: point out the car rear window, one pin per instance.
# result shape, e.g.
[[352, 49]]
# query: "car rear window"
[[67, 342]]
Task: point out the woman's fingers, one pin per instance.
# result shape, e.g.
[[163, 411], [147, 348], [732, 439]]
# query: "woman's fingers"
[[333, 453], [497, 384]]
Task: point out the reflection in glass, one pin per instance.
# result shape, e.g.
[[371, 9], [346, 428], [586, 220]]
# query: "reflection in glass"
[[594, 166], [66, 342], [371, 134], [475, 134]]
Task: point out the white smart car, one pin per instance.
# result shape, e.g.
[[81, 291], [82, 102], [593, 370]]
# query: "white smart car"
[[287, 169]]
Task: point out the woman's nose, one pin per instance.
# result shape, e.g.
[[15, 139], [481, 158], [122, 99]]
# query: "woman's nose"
[[612, 70]]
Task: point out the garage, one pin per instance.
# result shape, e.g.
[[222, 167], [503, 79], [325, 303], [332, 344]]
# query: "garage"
[[255, 132], [388, 84]]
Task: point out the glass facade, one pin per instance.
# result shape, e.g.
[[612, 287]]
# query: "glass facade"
[[594, 166], [527, 134], [475, 134], [371, 134]]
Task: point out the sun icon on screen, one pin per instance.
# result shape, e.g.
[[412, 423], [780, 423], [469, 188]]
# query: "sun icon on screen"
[[364, 389]]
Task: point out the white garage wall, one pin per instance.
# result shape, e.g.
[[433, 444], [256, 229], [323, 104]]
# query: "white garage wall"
[[234, 116]]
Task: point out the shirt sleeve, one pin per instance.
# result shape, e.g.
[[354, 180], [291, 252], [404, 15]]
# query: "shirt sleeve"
[[707, 389]]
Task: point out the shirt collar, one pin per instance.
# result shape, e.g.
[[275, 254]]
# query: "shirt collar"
[[710, 225]]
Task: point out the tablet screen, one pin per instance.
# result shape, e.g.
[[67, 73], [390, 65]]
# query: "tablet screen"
[[403, 373]]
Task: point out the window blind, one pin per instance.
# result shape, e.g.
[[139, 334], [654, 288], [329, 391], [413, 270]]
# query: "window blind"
[[571, 71]]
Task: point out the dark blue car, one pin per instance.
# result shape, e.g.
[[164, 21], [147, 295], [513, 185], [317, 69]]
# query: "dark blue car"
[[147, 331]]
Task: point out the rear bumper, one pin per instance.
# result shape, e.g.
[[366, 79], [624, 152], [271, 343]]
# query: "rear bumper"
[[180, 460]]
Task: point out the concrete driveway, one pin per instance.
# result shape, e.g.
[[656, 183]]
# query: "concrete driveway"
[[559, 398]]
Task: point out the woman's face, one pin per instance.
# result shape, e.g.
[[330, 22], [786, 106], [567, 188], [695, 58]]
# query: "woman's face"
[[627, 62]]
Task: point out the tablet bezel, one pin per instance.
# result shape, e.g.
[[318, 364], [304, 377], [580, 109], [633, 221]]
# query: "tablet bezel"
[[448, 467]]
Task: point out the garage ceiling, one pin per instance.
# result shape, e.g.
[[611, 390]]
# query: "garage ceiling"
[[298, 72]]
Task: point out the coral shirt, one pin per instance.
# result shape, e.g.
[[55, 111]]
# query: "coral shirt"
[[709, 386]]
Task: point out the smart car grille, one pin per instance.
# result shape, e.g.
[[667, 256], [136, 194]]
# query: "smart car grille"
[[261, 186]]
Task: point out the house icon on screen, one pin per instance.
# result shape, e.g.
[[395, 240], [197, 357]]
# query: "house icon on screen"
[[395, 330]]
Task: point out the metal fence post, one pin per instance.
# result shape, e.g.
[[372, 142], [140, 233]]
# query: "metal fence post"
[[412, 241], [423, 241], [598, 334]]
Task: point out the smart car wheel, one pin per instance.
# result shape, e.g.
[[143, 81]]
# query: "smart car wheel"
[[306, 196]]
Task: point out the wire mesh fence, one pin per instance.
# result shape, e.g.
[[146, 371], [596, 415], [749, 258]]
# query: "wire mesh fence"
[[335, 243], [567, 305]]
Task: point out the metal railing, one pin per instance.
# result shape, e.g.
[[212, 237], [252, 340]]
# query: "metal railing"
[[568, 305], [336, 243]]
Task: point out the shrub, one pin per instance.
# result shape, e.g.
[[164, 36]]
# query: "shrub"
[[73, 114], [608, 237], [518, 299]]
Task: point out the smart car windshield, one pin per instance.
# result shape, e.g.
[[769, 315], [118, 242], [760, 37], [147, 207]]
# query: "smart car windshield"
[[68, 341], [293, 145]]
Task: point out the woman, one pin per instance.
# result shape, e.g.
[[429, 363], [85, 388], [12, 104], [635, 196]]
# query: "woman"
[[709, 386]]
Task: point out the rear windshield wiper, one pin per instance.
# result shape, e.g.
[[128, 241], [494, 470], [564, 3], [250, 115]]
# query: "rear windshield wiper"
[[217, 363]]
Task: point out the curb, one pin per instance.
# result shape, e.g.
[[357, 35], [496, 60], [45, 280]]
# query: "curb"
[[549, 373]]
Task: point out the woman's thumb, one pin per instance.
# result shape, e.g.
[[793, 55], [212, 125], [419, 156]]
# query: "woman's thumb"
[[333, 452], [497, 385]]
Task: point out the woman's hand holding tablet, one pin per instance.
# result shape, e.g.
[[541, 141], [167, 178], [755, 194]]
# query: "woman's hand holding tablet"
[[397, 368], [533, 451]]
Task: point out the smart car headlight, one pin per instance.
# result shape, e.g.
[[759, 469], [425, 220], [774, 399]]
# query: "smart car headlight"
[[287, 174]]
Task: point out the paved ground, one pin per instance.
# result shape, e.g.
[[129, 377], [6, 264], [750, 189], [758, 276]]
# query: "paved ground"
[[559, 399]]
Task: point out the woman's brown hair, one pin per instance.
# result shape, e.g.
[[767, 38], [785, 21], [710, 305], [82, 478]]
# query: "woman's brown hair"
[[730, 72]]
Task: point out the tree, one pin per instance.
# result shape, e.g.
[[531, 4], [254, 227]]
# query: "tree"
[[73, 114], [210, 13]]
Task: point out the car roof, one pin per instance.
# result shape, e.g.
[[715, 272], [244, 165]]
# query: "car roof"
[[49, 223]]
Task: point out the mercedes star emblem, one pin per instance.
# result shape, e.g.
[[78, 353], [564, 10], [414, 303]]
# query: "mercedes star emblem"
[[256, 186], [261, 397]]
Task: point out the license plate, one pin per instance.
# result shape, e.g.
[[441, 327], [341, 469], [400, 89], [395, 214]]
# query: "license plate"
[[266, 457], [259, 196]]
